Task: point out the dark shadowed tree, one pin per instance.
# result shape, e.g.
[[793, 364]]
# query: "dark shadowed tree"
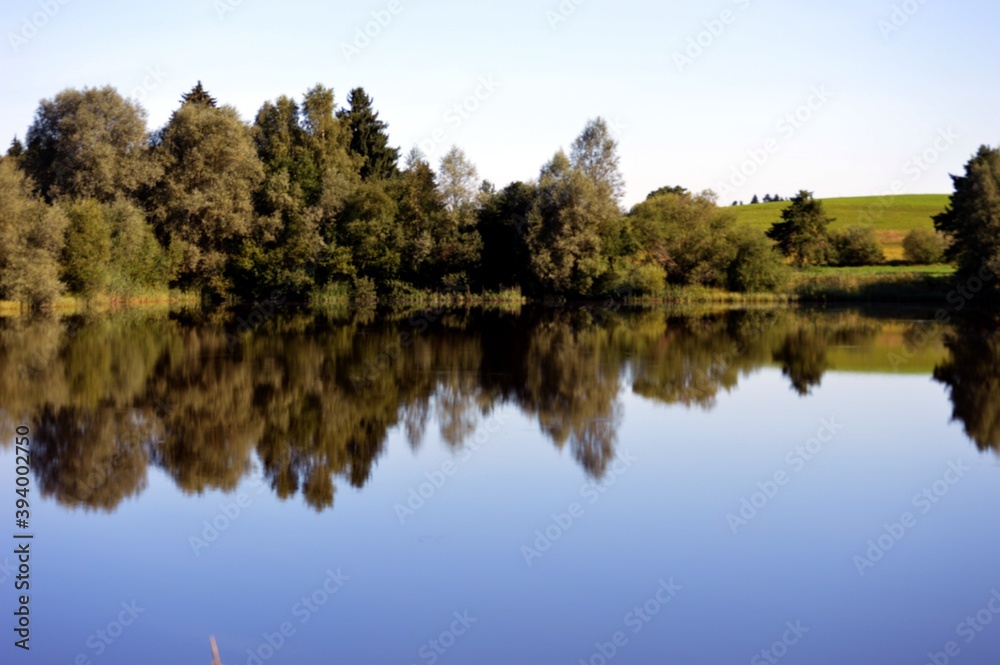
[[972, 219], [802, 234], [198, 95], [368, 137]]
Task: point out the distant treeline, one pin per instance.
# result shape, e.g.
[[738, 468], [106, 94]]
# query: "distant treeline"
[[311, 201]]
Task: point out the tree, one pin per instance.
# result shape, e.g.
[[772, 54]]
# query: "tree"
[[89, 143], [138, 261], [31, 241], [368, 137], [87, 251], [371, 233], [754, 200], [972, 219], [924, 247], [503, 225], [202, 205], [757, 266], [595, 152], [803, 235], [16, 148], [419, 216], [199, 95], [564, 228], [857, 246], [458, 242], [688, 236]]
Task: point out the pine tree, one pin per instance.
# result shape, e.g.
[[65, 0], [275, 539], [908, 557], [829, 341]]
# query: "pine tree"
[[199, 95], [369, 138]]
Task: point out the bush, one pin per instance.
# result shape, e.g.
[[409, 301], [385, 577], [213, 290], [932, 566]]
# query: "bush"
[[857, 246], [87, 252], [924, 247], [758, 266]]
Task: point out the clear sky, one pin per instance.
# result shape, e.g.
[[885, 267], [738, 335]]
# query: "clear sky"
[[922, 81]]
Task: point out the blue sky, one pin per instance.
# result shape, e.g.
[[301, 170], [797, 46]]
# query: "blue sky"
[[880, 94]]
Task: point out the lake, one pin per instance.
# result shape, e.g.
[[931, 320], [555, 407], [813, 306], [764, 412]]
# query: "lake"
[[589, 485]]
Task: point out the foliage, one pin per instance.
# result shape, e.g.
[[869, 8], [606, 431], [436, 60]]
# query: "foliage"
[[89, 143], [857, 246], [972, 219], [202, 205], [87, 251], [368, 137], [31, 241], [924, 247], [802, 234]]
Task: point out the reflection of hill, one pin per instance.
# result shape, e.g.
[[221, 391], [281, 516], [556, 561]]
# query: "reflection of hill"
[[311, 398]]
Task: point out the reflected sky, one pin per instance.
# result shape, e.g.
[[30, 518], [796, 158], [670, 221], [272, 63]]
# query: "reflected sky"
[[546, 477]]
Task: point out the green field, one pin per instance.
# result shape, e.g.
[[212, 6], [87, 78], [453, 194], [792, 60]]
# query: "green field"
[[892, 216]]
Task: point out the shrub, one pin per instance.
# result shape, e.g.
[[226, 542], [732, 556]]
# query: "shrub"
[[857, 246], [923, 247], [758, 266]]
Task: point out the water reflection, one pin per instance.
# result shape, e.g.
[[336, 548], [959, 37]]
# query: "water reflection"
[[312, 397]]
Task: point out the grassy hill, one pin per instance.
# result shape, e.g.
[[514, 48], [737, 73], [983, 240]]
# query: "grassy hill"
[[892, 216]]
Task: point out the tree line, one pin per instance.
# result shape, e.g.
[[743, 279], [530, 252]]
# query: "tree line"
[[312, 201]]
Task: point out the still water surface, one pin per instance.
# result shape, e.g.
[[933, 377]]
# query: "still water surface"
[[534, 487]]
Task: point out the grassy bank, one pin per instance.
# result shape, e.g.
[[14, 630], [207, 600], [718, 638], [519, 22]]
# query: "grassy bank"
[[891, 216]]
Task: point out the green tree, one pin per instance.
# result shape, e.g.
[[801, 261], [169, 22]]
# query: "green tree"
[[857, 246], [87, 251], [202, 205], [503, 224], [924, 247], [564, 229], [595, 152], [31, 241], [458, 242], [757, 266], [688, 236], [198, 95], [138, 261], [89, 143], [16, 148], [972, 219], [368, 137], [371, 233], [420, 213], [802, 234]]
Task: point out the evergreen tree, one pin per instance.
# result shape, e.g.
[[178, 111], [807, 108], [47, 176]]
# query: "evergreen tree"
[[972, 218], [16, 148], [369, 138], [803, 234], [198, 95]]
